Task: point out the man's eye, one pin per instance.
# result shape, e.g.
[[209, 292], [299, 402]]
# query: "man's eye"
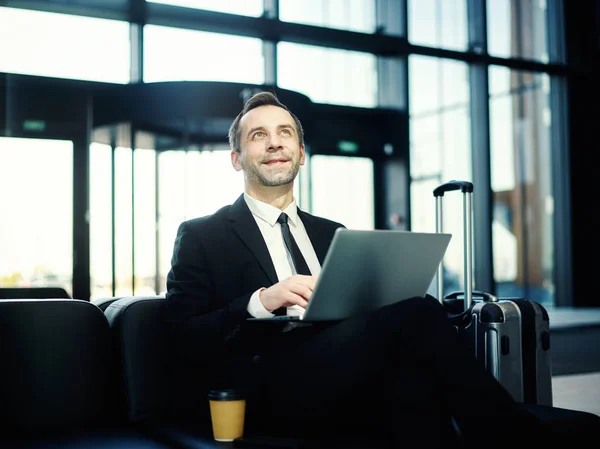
[[258, 135], [286, 132]]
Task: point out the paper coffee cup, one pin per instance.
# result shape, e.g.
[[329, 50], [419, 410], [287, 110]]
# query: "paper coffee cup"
[[227, 413]]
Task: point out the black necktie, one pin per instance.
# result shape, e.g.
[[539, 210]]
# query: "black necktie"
[[292, 246], [293, 250]]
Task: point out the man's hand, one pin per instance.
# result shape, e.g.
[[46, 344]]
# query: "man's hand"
[[295, 290]]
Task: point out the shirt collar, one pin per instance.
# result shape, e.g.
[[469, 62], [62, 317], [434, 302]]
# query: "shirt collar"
[[269, 213]]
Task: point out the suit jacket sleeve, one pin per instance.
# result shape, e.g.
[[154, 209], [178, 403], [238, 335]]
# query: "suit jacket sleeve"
[[194, 307]]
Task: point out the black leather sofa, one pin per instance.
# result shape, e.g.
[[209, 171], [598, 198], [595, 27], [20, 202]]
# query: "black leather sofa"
[[77, 376], [57, 379]]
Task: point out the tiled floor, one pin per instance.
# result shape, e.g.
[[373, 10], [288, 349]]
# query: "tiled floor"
[[577, 392]]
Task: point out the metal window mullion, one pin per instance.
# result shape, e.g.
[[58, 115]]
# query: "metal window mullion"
[[392, 86], [113, 220], [392, 91], [404, 28], [380, 193], [81, 276], [270, 61], [138, 16], [517, 28], [136, 38], [556, 31], [133, 144], [391, 17], [392, 70], [521, 174], [482, 203], [477, 26], [559, 150], [156, 221], [271, 11]]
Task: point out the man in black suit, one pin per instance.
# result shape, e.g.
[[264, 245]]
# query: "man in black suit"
[[396, 373]]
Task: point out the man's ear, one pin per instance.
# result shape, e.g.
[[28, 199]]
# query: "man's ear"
[[235, 160], [302, 155]]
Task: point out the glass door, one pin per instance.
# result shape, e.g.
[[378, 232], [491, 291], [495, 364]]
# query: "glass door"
[[123, 204]]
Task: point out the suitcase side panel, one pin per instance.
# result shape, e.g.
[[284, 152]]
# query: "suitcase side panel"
[[497, 336], [537, 364], [543, 356]]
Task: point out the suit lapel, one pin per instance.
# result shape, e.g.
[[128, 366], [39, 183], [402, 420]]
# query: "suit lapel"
[[320, 242], [245, 227]]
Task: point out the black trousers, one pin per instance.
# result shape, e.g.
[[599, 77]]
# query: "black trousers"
[[396, 376]]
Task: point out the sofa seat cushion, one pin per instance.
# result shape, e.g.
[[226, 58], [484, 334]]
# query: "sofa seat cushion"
[[107, 438]]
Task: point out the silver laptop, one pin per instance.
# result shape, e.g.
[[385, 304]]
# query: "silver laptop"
[[366, 270]]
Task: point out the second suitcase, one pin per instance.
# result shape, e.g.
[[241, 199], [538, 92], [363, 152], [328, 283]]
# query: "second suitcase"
[[535, 350]]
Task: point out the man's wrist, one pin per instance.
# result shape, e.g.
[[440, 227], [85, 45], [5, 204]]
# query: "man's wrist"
[[255, 306]]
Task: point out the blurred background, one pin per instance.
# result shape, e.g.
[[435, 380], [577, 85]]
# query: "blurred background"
[[114, 115]]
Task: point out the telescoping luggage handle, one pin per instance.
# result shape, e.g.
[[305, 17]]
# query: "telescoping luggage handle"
[[466, 188]]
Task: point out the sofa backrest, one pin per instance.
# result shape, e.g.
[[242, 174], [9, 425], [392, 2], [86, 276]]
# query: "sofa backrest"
[[140, 339], [33, 293], [55, 366], [103, 303]]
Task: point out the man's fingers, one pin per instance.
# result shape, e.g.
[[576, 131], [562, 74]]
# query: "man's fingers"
[[297, 300], [309, 281], [295, 290], [304, 291]]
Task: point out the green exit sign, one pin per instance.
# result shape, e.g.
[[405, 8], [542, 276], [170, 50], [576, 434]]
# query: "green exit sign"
[[346, 146], [34, 125]]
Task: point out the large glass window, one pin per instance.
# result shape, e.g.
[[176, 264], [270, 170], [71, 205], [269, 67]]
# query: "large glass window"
[[342, 190], [437, 23], [241, 7], [36, 228], [522, 231], [64, 46], [518, 29], [173, 54], [355, 15], [328, 75], [440, 149]]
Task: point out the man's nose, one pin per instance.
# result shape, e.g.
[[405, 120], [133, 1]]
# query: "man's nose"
[[275, 142]]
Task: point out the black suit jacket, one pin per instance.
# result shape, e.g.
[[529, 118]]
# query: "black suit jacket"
[[218, 262]]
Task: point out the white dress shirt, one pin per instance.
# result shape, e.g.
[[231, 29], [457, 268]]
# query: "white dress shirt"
[[266, 218]]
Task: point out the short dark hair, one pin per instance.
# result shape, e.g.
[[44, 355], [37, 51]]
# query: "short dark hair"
[[255, 101]]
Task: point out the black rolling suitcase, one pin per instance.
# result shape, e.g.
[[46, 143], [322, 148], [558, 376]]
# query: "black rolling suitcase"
[[510, 336], [535, 351]]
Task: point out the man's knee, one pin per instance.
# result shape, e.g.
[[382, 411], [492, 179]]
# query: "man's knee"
[[418, 305]]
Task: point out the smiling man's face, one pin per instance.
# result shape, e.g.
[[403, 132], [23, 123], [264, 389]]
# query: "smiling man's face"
[[271, 154]]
